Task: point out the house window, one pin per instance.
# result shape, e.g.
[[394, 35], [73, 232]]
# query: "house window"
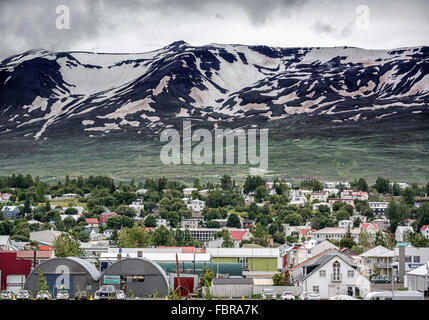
[[407, 258], [316, 289], [350, 273], [416, 259], [336, 271], [368, 260], [322, 273]]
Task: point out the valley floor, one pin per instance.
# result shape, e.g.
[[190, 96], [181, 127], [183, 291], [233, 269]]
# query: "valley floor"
[[404, 158]]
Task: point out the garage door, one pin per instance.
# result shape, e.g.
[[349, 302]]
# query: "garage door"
[[15, 282]]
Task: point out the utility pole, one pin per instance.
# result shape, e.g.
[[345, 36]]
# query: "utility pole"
[[393, 287], [178, 278]]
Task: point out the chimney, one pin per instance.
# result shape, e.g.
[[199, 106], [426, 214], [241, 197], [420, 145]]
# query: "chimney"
[[140, 254], [119, 256]]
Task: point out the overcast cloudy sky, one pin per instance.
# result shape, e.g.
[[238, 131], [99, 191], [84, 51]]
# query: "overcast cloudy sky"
[[144, 25]]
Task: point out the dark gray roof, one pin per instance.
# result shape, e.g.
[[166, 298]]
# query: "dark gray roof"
[[320, 263], [220, 281]]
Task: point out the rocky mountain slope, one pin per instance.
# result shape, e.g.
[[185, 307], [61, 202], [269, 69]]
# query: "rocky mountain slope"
[[55, 94]]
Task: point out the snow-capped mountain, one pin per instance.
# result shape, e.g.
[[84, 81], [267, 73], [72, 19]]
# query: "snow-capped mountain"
[[82, 93]]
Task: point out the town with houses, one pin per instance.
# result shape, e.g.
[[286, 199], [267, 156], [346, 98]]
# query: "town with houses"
[[92, 238]]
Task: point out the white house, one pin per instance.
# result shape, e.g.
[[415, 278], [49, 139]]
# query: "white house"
[[331, 185], [414, 257], [141, 191], [425, 231], [378, 258], [137, 205], [355, 195], [332, 275], [378, 207], [189, 223], [197, 206], [358, 216], [322, 196], [418, 279], [400, 232], [5, 243], [297, 255], [402, 185], [345, 224], [187, 192], [349, 201]]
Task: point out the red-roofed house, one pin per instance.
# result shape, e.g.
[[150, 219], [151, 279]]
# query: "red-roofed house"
[[92, 222], [240, 235], [369, 226], [306, 233], [425, 231], [4, 197], [106, 215]]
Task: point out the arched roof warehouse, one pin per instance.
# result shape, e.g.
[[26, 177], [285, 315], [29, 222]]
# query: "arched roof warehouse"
[[71, 272], [141, 276]]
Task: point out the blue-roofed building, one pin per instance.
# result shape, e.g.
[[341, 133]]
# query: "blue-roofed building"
[[10, 211]]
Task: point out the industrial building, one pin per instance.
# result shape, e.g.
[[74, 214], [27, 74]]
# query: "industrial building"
[[71, 273], [137, 276], [13, 271]]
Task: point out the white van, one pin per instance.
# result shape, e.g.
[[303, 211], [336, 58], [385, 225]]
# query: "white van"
[[399, 295]]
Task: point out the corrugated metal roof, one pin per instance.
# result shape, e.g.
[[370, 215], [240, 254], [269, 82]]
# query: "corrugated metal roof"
[[92, 270]]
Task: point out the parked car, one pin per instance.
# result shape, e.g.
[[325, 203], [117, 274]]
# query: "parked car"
[[380, 279], [269, 294], [303, 295], [62, 294], [120, 295], [23, 295], [7, 295], [397, 295], [105, 292], [312, 296], [342, 297], [81, 295], [43, 295], [288, 296]]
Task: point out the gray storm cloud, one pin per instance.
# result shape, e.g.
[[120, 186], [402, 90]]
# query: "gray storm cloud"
[[142, 25]]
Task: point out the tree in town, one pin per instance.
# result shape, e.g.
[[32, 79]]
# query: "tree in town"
[[397, 212], [408, 196], [347, 241], [42, 284], [282, 278], [162, 236], [126, 211], [227, 241], [212, 225], [423, 215], [382, 185], [207, 276], [364, 240], [416, 239], [261, 194], [261, 235], [135, 237], [150, 221], [233, 221], [66, 245], [294, 219]]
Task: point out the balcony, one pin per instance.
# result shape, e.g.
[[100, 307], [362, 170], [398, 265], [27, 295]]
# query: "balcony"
[[383, 265], [336, 278]]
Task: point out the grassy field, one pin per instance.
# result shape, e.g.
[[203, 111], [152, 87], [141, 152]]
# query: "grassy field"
[[404, 158]]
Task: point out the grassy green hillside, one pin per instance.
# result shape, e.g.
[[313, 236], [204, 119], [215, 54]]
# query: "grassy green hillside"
[[404, 158]]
